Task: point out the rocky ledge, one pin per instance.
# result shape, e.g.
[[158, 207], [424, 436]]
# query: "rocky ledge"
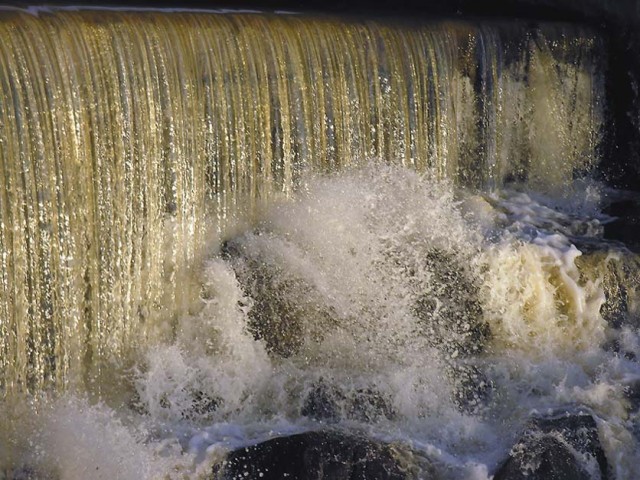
[[316, 456], [564, 446], [560, 447]]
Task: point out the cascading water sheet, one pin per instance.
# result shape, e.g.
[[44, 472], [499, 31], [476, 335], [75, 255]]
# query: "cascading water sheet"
[[127, 138]]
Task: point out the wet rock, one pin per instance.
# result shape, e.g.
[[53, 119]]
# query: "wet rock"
[[369, 405], [202, 405], [327, 403], [565, 447], [451, 315], [471, 387], [450, 309], [286, 310], [323, 455], [549, 461], [632, 395], [26, 473], [195, 405], [323, 403], [616, 347], [618, 271]]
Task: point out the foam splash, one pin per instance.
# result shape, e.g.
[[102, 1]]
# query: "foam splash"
[[78, 441]]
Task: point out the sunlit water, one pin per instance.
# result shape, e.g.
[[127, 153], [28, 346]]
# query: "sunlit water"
[[130, 139], [210, 224]]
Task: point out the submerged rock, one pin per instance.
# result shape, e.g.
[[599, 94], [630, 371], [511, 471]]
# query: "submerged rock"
[[323, 455], [27, 473], [563, 447], [369, 405], [329, 403], [450, 309], [471, 387], [323, 403], [202, 405], [193, 405], [286, 310], [451, 316], [618, 271], [632, 395]]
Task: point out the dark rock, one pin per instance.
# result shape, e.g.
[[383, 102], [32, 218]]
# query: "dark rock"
[[369, 405], [26, 473], [330, 404], [273, 317], [202, 405], [618, 270], [615, 347], [471, 387], [450, 310], [287, 310], [632, 394], [323, 403], [547, 450], [550, 460], [450, 313], [316, 456], [621, 159]]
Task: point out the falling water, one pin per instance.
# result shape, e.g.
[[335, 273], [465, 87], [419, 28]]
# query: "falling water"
[[127, 138], [135, 150]]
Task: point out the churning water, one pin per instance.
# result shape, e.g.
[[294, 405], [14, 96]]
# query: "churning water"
[[217, 229]]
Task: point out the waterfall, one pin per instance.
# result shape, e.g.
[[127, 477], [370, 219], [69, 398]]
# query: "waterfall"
[[127, 140], [369, 244]]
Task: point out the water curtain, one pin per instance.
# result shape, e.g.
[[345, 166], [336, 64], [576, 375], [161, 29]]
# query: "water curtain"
[[129, 140]]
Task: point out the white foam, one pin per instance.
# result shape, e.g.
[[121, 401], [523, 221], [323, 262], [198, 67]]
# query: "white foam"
[[80, 441]]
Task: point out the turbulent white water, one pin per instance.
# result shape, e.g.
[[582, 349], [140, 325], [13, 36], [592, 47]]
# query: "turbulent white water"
[[352, 258]]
